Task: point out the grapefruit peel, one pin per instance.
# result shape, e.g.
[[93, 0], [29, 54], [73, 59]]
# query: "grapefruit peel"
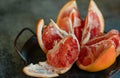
[[105, 60], [43, 69]]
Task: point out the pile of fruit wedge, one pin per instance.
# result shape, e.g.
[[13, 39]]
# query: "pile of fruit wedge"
[[73, 40]]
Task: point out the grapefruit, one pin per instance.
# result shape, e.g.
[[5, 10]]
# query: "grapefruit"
[[65, 53], [60, 57], [48, 35], [103, 37], [61, 42], [97, 57], [111, 35], [69, 17], [44, 70], [94, 23]]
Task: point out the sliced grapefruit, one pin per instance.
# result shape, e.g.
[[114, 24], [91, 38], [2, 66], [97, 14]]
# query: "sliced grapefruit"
[[116, 40], [69, 17], [59, 59], [97, 39], [44, 70], [61, 41], [65, 53], [49, 35], [111, 35], [94, 23], [97, 57]]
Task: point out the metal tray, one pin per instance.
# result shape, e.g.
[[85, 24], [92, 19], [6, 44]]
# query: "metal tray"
[[32, 53]]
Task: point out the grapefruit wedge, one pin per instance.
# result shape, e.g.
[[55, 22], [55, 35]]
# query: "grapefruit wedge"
[[44, 70], [48, 35], [94, 23], [105, 36], [111, 35], [65, 53], [97, 57], [69, 17], [59, 59]]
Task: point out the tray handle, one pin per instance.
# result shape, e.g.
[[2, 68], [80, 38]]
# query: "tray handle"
[[16, 39]]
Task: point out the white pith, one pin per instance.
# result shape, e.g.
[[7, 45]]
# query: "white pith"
[[39, 34], [43, 69]]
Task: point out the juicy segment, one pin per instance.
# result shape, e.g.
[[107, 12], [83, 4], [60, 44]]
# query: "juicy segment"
[[77, 24], [69, 19], [103, 37], [65, 53], [105, 60], [94, 23], [89, 54], [49, 35], [112, 35]]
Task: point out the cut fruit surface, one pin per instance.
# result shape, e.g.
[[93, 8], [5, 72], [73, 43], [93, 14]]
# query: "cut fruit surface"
[[69, 19], [72, 40], [105, 36], [111, 35], [97, 57], [65, 53], [94, 23], [49, 35], [43, 69]]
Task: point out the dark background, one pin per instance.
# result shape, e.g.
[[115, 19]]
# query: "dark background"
[[18, 14]]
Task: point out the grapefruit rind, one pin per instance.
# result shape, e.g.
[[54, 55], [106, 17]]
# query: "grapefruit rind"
[[66, 7], [105, 60], [38, 71], [39, 28], [43, 69]]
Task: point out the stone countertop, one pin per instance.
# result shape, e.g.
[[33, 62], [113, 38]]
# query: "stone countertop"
[[18, 14]]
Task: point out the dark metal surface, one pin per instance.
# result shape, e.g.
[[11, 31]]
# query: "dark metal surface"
[[21, 53]]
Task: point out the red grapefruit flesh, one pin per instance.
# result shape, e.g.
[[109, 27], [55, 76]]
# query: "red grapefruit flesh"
[[65, 53], [69, 17], [103, 37], [97, 57], [49, 35], [94, 23], [111, 35], [89, 54]]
